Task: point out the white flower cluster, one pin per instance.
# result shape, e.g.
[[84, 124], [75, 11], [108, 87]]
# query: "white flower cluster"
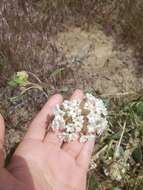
[[81, 120]]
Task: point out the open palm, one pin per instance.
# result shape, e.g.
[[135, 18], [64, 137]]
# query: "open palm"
[[42, 162]]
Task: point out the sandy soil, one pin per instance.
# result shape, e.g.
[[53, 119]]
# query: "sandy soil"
[[99, 63]]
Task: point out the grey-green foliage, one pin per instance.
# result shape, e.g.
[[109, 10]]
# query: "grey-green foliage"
[[135, 114], [135, 107]]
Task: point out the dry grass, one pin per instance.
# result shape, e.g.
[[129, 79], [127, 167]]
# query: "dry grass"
[[25, 27]]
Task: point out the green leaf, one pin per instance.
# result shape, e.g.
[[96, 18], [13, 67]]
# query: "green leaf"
[[93, 183], [19, 79], [12, 83], [139, 108], [137, 154], [116, 136], [114, 188]]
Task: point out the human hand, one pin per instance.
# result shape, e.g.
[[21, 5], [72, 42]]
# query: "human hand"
[[42, 162]]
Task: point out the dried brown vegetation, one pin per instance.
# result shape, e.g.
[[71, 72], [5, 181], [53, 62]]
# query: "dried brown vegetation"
[[25, 27]]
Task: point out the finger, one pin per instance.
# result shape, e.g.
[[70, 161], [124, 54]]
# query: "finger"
[[40, 123], [2, 131], [51, 137], [73, 148], [77, 95], [84, 156]]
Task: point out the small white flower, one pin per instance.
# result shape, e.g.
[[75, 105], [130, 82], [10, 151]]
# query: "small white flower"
[[91, 129], [91, 137], [100, 107], [70, 128], [72, 137], [83, 139], [73, 126]]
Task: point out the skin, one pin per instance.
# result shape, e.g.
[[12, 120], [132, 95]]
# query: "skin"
[[42, 162]]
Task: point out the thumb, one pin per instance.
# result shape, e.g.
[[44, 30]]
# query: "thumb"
[[83, 158], [2, 131]]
